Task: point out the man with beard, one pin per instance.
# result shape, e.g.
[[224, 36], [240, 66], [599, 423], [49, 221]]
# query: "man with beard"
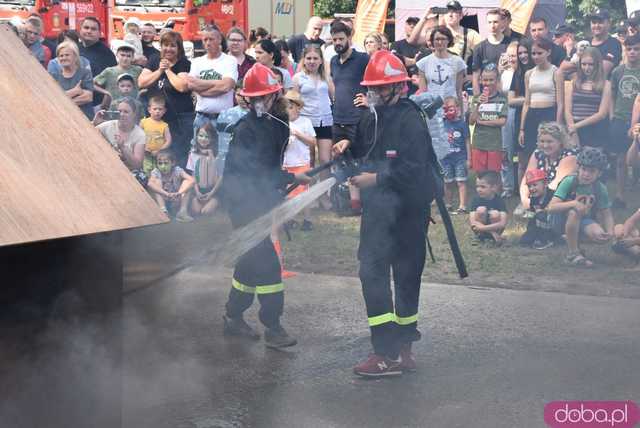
[[393, 144], [252, 186], [147, 36], [347, 69]]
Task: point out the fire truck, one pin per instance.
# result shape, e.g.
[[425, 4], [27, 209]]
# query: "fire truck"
[[185, 16]]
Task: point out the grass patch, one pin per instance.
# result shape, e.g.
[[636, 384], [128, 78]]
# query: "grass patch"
[[331, 248]]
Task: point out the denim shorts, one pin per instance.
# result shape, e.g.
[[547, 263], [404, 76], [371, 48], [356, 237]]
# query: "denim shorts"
[[559, 220], [455, 168]]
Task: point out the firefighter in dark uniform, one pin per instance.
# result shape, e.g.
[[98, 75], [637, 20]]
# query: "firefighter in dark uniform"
[[393, 143], [252, 185]]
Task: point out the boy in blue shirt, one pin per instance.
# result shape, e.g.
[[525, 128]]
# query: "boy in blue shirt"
[[457, 162]]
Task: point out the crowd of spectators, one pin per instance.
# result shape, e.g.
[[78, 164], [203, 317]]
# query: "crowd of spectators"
[[542, 118]]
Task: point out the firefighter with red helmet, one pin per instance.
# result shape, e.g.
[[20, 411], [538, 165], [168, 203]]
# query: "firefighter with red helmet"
[[393, 145], [253, 185]]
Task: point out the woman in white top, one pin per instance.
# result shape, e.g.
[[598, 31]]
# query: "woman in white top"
[[544, 96], [124, 134], [442, 73], [316, 92]]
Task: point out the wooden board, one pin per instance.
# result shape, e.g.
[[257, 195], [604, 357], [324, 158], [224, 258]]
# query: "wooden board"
[[58, 176]]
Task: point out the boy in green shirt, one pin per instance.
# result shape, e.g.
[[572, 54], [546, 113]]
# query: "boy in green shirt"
[[578, 201], [107, 81], [489, 115]]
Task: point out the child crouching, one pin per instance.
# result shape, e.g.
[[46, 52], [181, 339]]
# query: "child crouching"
[[581, 207], [539, 234], [488, 216], [627, 237], [171, 185]]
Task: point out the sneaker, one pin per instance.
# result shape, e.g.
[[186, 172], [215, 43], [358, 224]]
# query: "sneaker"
[[277, 337], [461, 211], [542, 245], [407, 360], [307, 226], [619, 204], [183, 218], [506, 194], [239, 327], [378, 366]]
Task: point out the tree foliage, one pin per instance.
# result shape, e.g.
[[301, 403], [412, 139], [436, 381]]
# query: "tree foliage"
[[326, 8], [578, 10]]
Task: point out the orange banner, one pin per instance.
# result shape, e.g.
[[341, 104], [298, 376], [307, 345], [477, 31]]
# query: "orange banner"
[[521, 11], [370, 16]]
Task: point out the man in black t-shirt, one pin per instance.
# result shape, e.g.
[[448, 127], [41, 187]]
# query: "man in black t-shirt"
[[311, 36], [489, 50], [98, 54], [508, 32], [609, 47], [403, 47], [147, 35], [540, 30]]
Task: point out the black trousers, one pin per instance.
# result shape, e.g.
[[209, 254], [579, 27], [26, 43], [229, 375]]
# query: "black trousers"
[[392, 246], [258, 272]]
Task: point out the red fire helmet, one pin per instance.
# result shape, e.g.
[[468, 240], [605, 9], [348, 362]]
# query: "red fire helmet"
[[258, 81], [384, 68], [534, 175]]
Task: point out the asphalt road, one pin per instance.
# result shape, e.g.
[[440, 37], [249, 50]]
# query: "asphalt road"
[[489, 358]]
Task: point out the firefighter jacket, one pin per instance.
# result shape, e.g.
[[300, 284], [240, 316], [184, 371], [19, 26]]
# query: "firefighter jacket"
[[398, 149], [254, 180]]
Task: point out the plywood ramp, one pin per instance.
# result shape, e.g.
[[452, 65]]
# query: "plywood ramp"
[[58, 176]]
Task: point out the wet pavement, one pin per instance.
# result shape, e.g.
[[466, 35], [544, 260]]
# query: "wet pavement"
[[489, 357]]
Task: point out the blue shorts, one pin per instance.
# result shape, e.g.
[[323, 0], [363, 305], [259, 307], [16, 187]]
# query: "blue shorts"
[[455, 168], [559, 220]]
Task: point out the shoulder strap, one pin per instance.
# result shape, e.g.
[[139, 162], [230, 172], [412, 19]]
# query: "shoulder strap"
[[464, 46]]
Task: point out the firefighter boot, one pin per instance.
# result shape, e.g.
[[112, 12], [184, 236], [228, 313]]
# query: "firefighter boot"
[[277, 337], [239, 327], [407, 359]]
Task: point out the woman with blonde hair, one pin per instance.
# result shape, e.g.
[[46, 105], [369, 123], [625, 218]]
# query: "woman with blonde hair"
[[373, 42], [587, 101], [554, 156], [76, 81], [316, 91]]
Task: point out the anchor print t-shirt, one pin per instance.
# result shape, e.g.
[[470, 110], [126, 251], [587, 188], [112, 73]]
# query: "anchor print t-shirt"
[[441, 73]]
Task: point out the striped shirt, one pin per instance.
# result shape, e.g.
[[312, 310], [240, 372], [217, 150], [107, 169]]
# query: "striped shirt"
[[585, 103]]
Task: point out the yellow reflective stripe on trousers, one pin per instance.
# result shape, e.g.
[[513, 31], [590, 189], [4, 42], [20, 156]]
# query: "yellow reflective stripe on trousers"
[[260, 289], [269, 289], [243, 288], [381, 319], [407, 320]]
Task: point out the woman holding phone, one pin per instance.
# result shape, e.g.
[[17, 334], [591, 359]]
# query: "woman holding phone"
[[123, 133]]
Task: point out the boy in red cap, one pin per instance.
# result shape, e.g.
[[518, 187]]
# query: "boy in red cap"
[[539, 234]]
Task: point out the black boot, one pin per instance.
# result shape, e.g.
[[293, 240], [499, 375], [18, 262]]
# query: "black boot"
[[239, 327], [277, 337]]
